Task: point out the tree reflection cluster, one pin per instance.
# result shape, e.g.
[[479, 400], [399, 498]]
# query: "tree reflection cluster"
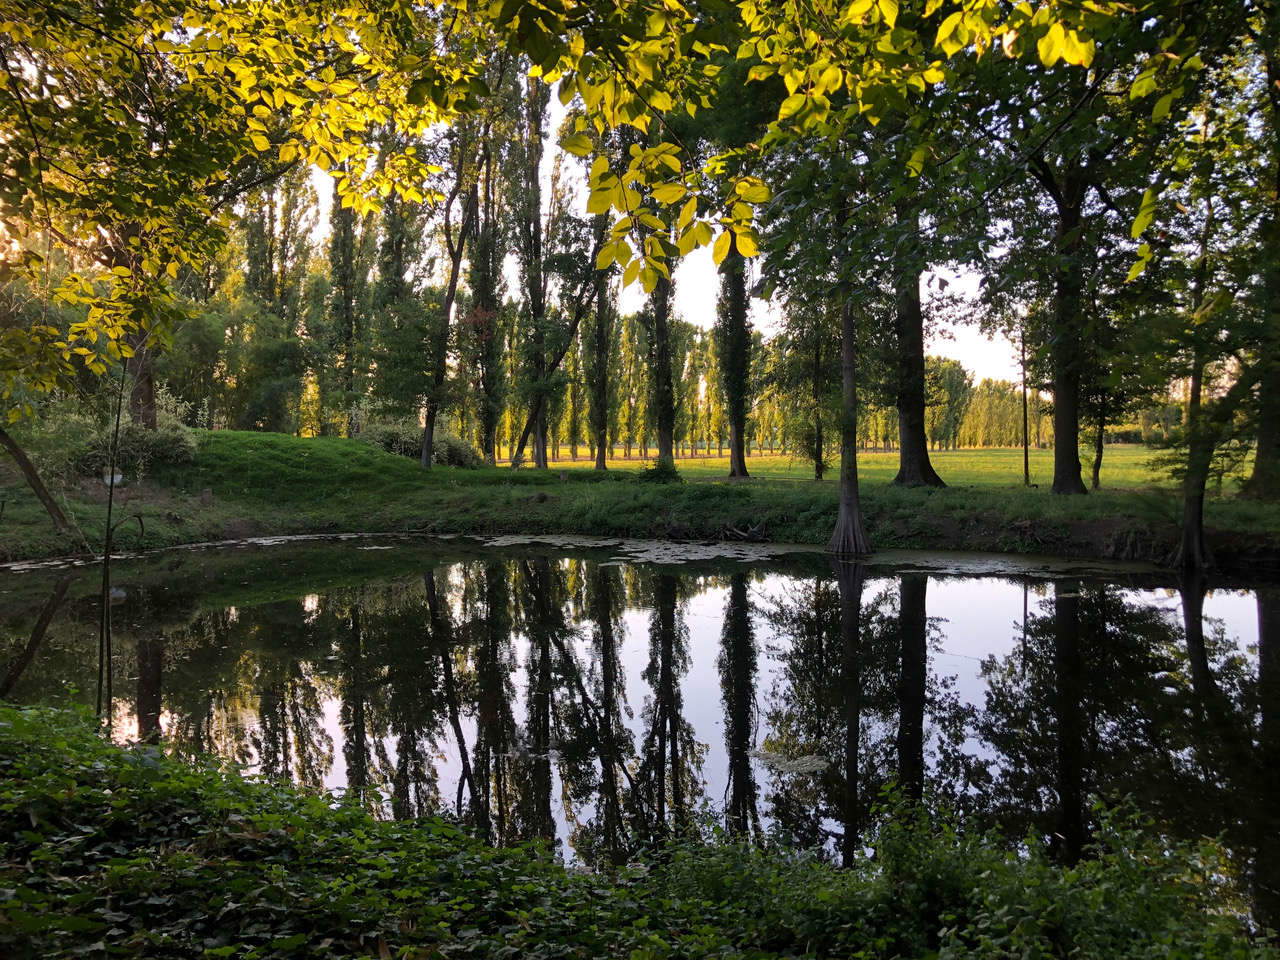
[[549, 698]]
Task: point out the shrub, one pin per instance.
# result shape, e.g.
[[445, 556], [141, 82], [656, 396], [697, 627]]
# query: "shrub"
[[660, 472], [404, 439], [140, 451]]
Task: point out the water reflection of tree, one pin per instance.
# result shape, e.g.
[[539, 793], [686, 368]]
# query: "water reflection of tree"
[[668, 777], [849, 709], [488, 631], [737, 664], [601, 836], [1091, 703]]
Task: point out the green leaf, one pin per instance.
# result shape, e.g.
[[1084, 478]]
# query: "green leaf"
[[791, 106], [1146, 212], [579, 144]]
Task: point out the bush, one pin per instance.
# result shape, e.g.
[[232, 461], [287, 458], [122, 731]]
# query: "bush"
[[404, 439], [660, 472], [139, 452]]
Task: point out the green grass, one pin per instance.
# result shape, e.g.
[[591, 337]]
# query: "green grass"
[[267, 484], [111, 851], [1124, 466]]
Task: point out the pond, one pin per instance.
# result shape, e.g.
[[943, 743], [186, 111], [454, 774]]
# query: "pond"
[[603, 695]]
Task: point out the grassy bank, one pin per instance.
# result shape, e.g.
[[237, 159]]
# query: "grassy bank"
[[247, 484], [109, 851]]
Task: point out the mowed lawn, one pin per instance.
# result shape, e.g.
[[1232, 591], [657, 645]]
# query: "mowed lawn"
[[1124, 466]]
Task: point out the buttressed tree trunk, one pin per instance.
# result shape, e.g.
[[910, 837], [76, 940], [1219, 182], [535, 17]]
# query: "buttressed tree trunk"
[[849, 539], [914, 467]]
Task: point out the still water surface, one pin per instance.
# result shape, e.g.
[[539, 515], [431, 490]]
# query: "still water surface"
[[600, 702]]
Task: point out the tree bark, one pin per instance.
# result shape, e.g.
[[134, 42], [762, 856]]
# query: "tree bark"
[[142, 398], [440, 345], [735, 355], [1099, 437], [1264, 482], [914, 466], [818, 441], [664, 397], [598, 369], [849, 539], [1066, 346], [32, 476], [1026, 435]]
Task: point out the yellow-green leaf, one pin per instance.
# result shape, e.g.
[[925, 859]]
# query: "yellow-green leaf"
[[579, 144], [721, 249]]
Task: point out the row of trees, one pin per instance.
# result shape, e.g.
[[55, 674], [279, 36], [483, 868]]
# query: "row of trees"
[[264, 321], [1107, 170]]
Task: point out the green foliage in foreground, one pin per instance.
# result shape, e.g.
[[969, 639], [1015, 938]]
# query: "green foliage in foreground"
[[129, 852]]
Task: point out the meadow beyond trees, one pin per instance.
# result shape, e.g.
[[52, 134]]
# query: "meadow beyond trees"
[[455, 234]]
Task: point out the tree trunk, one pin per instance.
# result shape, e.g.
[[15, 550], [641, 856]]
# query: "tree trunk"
[[734, 354], [914, 466], [849, 538], [1264, 482], [818, 441], [428, 453], [1193, 554], [598, 367], [440, 344], [1097, 451], [32, 476], [1026, 435], [142, 398], [1066, 346], [664, 397]]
